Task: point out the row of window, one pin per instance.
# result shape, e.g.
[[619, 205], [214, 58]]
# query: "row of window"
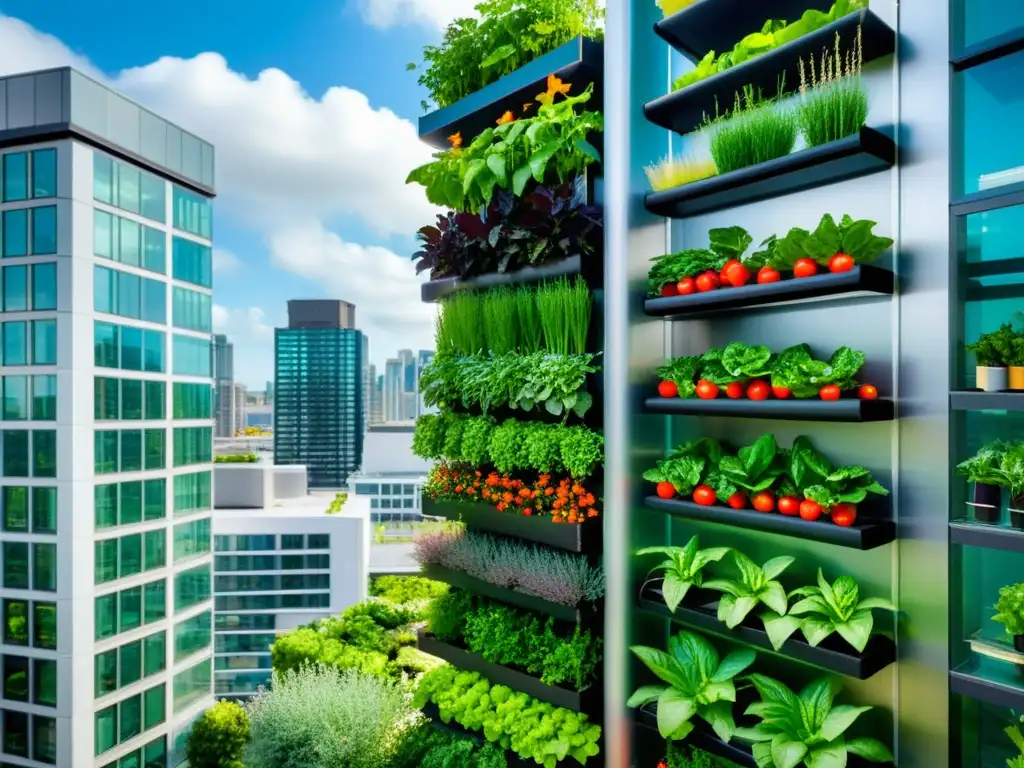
[[32, 736], [192, 587], [119, 558], [193, 635], [129, 663], [130, 502], [245, 622], [193, 356], [29, 509], [30, 231], [30, 622], [128, 450], [192, 310], [29, 397], [243, 643], [272, 602], [193, 401], [385, 489], [129, 295], [129, 609], [193, 684], [193, 445], [38, 572], [192, 539], [129, 242], [193, 492], [30, 342], [30, 453], [271, 562], [128, 348], [268, 542], [244, 683], [128, 718], [129, 188], [128, 399], [30, 680], [192, 262], [272, 582], [29, 175], [193, 213], [153, 755], [30, 287], [247, 662]]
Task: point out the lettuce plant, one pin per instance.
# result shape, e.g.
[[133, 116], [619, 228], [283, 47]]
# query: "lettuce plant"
[[698, 683], [755, 585], [737, 362], [683, 567], [796, 369], [682, 371], [995, 349], [1010, 609], [826, 609], [687, 465], [844, 485], [853, 237], [984, 466], [755, 467], [806, 729]]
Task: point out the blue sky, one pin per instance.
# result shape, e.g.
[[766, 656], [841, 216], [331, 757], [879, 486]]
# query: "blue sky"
[[311, 195]]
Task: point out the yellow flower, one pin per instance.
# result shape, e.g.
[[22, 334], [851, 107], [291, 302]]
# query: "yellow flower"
[[455, 140], [508, 117], [555, 86]]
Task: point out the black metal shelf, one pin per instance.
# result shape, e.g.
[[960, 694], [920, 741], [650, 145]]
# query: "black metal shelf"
[[991, 536], [865, 534], [435, 290], [866, 152], [588, 702], [833, 654], [688, 109], [860, 281], [976, 400], [579, 62], [849, 409], [995, 682], [573, 537], [717, 25]]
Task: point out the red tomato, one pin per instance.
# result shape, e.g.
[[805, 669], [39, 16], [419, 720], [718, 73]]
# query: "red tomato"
[[729, 263], [734, 390], [527, 511], [844, 514], [708, 281], [867, 392], [707, 390], [737, 275], [764, 501], [662, 764], [723, 281], [666, 490], [668, 389], [829, 392], [737, 500], [781, 392], [810, 510], [840, 263], [686, 286], [758, 390], [805, 267], [789, 505], [768, 275], [704, 495], [669, 289]]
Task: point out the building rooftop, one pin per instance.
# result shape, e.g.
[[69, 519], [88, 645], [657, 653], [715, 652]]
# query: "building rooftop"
[[60, 103], [309, 506]]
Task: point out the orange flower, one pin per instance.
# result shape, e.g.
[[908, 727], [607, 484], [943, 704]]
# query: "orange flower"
[[478, 473], [559, 504], [544, 480], [508, 117], [506, 497], [458, 489], [455, 139], [548, 491], [578, 489], [501, 506], [555, 86]]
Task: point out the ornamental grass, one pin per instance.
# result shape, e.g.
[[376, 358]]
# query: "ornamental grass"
[[755, 132], [833, 103]]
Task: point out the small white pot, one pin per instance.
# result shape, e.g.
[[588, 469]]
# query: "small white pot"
[[991, 379]]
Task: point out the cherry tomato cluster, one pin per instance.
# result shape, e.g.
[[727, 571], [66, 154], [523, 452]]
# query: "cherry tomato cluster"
[[735, 274], [765, 501], [758, 389]]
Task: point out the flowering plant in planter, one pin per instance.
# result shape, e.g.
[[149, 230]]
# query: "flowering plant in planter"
[[1010, 613]]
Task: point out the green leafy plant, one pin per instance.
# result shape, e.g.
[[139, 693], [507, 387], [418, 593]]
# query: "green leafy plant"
[[796, 369], [446, 615], [844, 485], [673, 267], [682, 568], [218, 738], [755, 585], [806, 729], [698, 684], [1011, 473], [736, 362], [446, 750], [1010, 609], [852, 237], [755, 468], [833, 101], [687, 465], [685, 756], [755, 132], [403, 590], [508, 34], [826, 609], [236, 458], [682, 371], [985, 465], [564, 310], [1015, 735], [995, 349], [670, 173]]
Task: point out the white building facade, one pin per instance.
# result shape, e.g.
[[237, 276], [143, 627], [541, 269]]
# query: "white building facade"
[[106, 441], [391, 477]]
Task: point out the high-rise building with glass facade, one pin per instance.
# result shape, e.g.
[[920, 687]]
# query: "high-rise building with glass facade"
[[106, 435], [318, 391]]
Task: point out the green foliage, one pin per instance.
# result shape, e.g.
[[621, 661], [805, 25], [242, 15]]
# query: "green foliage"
[[508, 35], [854, 237], [511, 446], [754, 468], [836, 104], [218, 737], [826, 609], [681, 371], [1011, 471], [1010, 609], [687, 465], [683, 568], [402, 590], [806, 729], [447, 615], [673, 267], [985, 465], [698, 683], [1015, 735], [685, 756], [998, 348], [530, 728], [844, 485], [564, 308], [752, 586], [796, 369], [755, 132], [236, 458], [773, 34], [499, 320], [460, 326], [337, 503], [446, 750]]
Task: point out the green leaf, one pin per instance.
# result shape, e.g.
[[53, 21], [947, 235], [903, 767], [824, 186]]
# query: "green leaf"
[[876, 602], [827, 756], [719, 692], [539, 160], [588, 149], [839, 719], [475, 167], [870, 749], [774, 567], [497, 165], [733, 610], [522, 175], [787, 754], [645, 695], [497, 55], [733, 664], [816, 630], [674, 709], [762, 752], [779, 628], [661, 664], [815, 703], [674, 590], [719, 717], [774, 596], [695, 657], [857, 629], [729, 242], [812, 604]]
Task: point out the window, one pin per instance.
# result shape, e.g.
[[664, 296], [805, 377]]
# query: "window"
[[154, 706], [192, 635], [15, 671], [44, 173], [192, 214], [44, 625], [272, 602], [129, 608], [44, 682], [155, 600], [106, 398], [16, 630], [44, 567], [192, 310], [105, 672], [30, 231], [44, 229], [105, 450], [155, 544], [193, 401], [129, 188], [193, 445], [15, 341], [15, 289], [130, 503], [128, 295], [246, 543], [15, 231], [191, 587], [106, 729], [105, 566], [293, 541], [15, 179], [15, 733], [192, 684], [44, 342], [155, 499], [15, 565], [191, 539], [192, 356], [154, 653], [156, 400], [155, 456], [44, 453], [129, 663], [192, 262], [44, 509], [192, 492], [15, 512], [44, 739], [127, 348], [319, 541], [44, 286], [105, 609], [44, 397]]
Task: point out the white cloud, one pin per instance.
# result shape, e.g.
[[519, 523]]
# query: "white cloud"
[[430, 13], [225, 262]]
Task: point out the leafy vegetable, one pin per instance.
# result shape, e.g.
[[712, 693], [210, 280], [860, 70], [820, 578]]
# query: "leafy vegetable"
[[687, 465], [1014, 734], [754, 585], [698, 684], [995, 349], [683, 568], [756, 466], [673, 267], [806, 729], [798, 371], [682, 371], [844, 485], [743, 362], [1010, 609], [984, 466], [855, 238], [730, 242]]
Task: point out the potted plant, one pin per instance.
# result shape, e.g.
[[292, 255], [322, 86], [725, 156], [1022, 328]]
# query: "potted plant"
[[1011, 468], [1010, 613], [983, 469], [1015, 368], [992, 353]]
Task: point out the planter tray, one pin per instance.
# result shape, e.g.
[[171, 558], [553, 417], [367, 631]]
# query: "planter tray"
[[578, 537], [976, 400], [684, 110], [575, 615], [811, 409], [579, 61], [863, 280], [833, 654], [434, 290], [587, 702], [866, 152], [992, 536], [989, 680], [865, 534], [712, 25]]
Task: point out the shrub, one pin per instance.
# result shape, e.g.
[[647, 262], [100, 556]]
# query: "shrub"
[[406, 589], [218, 737], [447, 615], [236, 458]]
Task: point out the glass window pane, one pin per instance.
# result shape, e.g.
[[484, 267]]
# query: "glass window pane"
[[154, 351], [103, 227], [44, 286], [130, 613], [156, 601], [155, 499], [15, 289], [16, 406], [131, 503], [154, 250], [44, 173], [106, 616], [44, 625], [44, 229], [105, 672], [990, 107], [131, 555], [15, 671], [131, 399], [15, 733], [15, 343], [131, 348], [106, 459], [128, 182], [44, 567], [105, 566], [15, 564], [44, 510], [15, 500], [130, 717], [130, 663], [106, 398], [45, 686], [155, 706], [106, 344], [154, 200], [44, 342], [15, 230], [15, 447], [154, 653], [44, 397], [106, 505], [102, 178], [155, 549], [16, 622], [106, 729], [130, 243], [156, 397], [44, 453], [44, 739], [131, 450], [15, 176]]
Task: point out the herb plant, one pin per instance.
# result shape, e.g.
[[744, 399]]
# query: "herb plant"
[[446, 750], [806, 729], [984, 466], [754, 132], [405, 590], [683, 568], [995, 349], [826, 609], [686, 756], [755, 585], [698, 684], [724, 243], [682, 371], [833, 101], [1010, 609], [446, 615], [736, 362]]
